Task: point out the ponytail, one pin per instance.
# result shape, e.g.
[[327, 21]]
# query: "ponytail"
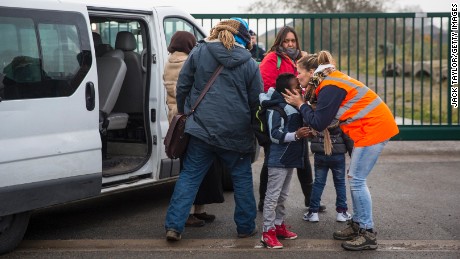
[[309, 61], [324, 57]]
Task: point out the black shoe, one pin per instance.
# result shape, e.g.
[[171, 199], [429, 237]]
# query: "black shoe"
[[322, 208], [192, 221], [172, 235], [245, 235], [208, 218], [261, 206]]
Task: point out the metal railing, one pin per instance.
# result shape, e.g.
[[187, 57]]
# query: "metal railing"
[[403, 57]]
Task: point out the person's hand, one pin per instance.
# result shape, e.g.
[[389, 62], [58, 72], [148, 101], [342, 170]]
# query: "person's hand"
[[303, 132], [311, 133], [293, 98]]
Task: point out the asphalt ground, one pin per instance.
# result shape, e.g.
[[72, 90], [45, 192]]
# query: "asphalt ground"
[[414, 186]]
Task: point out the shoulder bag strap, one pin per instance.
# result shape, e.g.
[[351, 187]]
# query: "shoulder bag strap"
[[206, 88]]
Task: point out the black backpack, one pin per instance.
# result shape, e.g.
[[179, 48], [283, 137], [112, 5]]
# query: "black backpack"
[[260, 125]]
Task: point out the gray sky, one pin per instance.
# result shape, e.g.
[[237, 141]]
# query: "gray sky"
[[239, 6]]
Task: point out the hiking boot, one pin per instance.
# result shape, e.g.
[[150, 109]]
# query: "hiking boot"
[[311, 216], [172, 235], [192, 221], [269, 239], [282, 232], [364, 241], [343, 216], [348, 233], [245, 235], [208, 218]]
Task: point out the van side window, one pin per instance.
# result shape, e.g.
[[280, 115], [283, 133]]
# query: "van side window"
[[42, 54], [173, 24], [108, 31], [60, 46]]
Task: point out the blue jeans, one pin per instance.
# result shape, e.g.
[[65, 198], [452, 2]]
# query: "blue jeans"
[[363, 160], [322, 165], [198, 158]]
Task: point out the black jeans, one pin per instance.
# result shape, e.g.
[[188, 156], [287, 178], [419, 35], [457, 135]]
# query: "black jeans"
[[304, 174]]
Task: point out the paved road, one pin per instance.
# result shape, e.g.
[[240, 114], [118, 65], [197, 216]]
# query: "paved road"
[[415, 188]]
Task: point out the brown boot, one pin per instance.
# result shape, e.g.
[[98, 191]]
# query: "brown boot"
[[192, 221], [348, 233], [363, 241]]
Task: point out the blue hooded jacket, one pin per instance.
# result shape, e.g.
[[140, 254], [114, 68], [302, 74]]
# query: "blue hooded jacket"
[[223, 118], [283, 154]]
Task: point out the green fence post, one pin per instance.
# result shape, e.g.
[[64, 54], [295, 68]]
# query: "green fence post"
[[404, 71], [312, 35], [440, 72]]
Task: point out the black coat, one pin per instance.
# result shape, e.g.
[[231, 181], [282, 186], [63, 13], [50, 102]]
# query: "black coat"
[[257, 53], [211, 189], [341, 143]]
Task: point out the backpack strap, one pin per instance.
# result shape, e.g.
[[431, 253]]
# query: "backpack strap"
[[280, 111], [278, 62]]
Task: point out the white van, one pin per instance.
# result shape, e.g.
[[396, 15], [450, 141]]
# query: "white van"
[[82, 103]]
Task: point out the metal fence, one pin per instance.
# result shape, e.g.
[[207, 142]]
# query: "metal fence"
[[403, 57]]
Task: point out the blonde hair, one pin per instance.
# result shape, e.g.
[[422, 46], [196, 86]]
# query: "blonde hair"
[[224, 31], [312, 61]]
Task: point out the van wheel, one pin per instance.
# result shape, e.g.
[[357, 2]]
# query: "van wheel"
[[12, 229]]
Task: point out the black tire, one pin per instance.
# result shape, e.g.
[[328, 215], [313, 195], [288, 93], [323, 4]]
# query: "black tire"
[[12, 230]]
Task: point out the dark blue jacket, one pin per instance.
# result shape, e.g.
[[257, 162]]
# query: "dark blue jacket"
[[283, 154], [257, 53], [329, 99], [223, 118]]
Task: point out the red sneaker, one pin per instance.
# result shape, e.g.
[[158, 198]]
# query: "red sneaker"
[[269, 239], [283, 233]]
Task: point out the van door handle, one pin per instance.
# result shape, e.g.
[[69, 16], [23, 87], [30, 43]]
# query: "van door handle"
[[90, 96]]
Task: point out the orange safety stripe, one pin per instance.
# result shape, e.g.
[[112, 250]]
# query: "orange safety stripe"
[[362, 115]]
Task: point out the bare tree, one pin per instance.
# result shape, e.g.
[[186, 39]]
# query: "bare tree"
[[320, 6]]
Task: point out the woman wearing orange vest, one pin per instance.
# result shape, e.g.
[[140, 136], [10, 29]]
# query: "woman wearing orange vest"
[[364, 117]]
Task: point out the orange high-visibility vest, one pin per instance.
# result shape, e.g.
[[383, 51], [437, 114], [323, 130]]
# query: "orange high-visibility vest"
[[362, 114]]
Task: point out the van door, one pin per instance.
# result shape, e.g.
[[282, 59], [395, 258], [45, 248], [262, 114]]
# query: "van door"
[[50, 147]]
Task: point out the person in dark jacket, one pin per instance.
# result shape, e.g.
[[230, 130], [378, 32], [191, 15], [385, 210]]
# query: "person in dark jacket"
[[257, 52], [211, 189], [221, 124], [329, 148], [287, 151], [329, 153]]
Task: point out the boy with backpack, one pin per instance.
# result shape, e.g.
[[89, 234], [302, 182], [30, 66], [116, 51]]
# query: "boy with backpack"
[[286, 152]]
